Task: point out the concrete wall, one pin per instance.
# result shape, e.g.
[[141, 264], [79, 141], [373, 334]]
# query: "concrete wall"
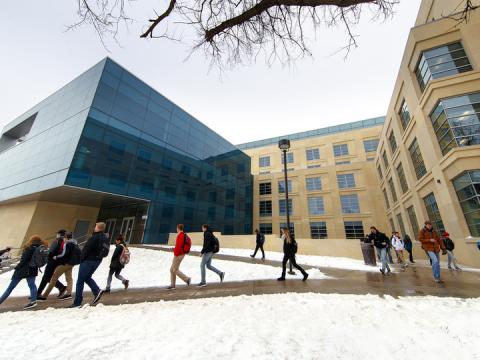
[[14, 222]]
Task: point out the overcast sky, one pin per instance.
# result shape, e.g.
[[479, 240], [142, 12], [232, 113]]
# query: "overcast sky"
[[244, 104]]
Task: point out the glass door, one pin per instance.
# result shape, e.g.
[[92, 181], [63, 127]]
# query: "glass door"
[[127, 228]]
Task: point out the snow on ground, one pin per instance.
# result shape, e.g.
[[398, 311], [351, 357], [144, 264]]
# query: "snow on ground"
[[151, 268], [286, 326]]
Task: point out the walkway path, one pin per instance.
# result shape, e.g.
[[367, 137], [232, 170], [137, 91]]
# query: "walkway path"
[[416, 281]]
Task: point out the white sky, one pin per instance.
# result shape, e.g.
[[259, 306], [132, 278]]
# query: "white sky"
[[244, 104]]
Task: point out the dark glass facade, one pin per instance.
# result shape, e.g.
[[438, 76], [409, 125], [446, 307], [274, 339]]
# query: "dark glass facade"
[[138, 144]]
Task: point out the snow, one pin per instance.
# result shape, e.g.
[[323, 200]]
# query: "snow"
[[286, 326], [151, 268]]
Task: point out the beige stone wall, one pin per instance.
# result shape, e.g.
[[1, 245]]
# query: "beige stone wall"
[[372, 211], [431, 10], [441, 170], [14, 222]]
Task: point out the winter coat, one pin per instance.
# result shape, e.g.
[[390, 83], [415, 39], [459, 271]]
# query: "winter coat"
[[426, 235], [397, 243], [408, 243], [92, 249], [178, 250], [115, 261], [23, 270], [66, 254], [260, 239], [208, 242], [288, 247], [380, 240], [449, 244]]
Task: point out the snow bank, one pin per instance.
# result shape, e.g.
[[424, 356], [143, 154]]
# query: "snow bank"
[[151, 268], [287, 326]]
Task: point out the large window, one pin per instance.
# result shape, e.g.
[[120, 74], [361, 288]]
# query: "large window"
[[264, 161], [402, 225], [417, 159], [346, 181], [379, 169], [393, 142], [370, 145], [283, 208], [402, 178], [314, 183], [441, 61], [404, 115], [433, 212], [265, 188], [318, 230], [340, 150], [350, 204], [265, 228], [281, 186], [467, 187], [313, 154], [385, 197], [354, 230], [413, 221], [266, 208], [392, 224], [385, 159], [289, 158], [456, 121], [315, 206], [392, 190]]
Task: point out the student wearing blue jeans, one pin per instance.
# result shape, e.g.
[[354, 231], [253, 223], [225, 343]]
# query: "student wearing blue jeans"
[[207, 255], [85, 273]]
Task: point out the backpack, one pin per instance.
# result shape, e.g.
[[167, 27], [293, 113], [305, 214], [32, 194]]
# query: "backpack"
[[294, 246], [262, 239], [478, 244], [75, 256], [39, 257], [187, 243], [216, 244], [124, 258], [104, 244]]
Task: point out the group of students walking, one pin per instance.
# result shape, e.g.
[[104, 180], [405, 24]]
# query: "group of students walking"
[[432, 244]]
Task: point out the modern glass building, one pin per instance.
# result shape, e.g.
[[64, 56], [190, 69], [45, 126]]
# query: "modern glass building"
[[109, 147]]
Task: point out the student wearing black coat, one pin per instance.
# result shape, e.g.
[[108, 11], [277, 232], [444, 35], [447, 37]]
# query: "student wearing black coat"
[[289, 250], [381, 243], [115, 265], [24, 271], [207, 255], [260, 240]]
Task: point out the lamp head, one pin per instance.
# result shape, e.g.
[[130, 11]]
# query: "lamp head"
[[284, 144]]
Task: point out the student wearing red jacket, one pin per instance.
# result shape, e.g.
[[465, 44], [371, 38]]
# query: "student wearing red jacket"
[[178, 255]]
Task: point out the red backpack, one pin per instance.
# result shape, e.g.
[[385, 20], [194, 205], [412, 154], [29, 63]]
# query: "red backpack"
[[187, 243]]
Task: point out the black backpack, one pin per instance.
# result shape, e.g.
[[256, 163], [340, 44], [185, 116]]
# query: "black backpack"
[[75, 256], [39, 257], [216, 244], [262, 239], [294, 246], [104, 246]]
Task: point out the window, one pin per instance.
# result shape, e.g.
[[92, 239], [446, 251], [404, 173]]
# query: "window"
[[385, 159], [417, 159], [467, 187], [292, 228], [402, 225], [385, 197], [313, 166], [433, 212], [264, 161], [314, 183], [441, 61], [392, 225], [370, 145], [318, 230], [281, 186], [456, 121], [392, 190], [266, 208], [289, 158], [340, 150], [17, 134], [350, 204], [342, 162], [379, 169], [265, 228], [264, 172], [354, 230], [313, 154], [283, 208], [393, 142], [413, 220], [345, 181], [370, 159], [404, 115], [315, 206], [402, 178], [265, 188]]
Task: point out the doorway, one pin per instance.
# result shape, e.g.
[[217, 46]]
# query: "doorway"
[[127, 228], [110, 227]]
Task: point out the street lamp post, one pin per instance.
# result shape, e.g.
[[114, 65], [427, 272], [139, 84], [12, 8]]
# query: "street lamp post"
[[284, 145]]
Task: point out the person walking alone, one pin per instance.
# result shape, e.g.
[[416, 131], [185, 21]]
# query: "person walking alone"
[[398, 245], [93, 253], [432, 244], [260, 240], [289, 251], [450, 246], [380, 241], [208, 249], [409, 247], [116, 265], [182, 247], [25, 269]]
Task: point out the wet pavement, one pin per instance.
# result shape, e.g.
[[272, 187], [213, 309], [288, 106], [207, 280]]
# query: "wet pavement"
[[415, 281]]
